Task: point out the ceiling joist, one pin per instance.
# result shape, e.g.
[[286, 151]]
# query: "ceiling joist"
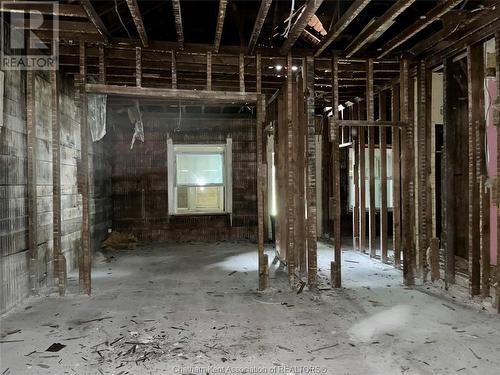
[[259, 22], [220, 24], [136, 16], [95, 19], [176, 6]]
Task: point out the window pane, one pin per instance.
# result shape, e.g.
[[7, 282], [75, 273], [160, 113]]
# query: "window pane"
[[199, 169], [208, 197], [182, 197]]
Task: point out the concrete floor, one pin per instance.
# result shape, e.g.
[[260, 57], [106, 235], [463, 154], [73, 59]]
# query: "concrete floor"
[[168, 309]]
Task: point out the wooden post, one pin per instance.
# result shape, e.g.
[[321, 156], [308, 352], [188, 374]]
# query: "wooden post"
[[263, 261], [138, 66], [209, 71], [32, 181], [174, 71], [258, 72], [475, 77], [383, 178], [355, 209], [59, 259], [407, 181], [334, 131], [362, 182], [370, 111], [449, 167], [312, 268], [291, 175], [300, 175], [423, 160], [242, 72], [396, 179], [434, 259], [85, 256], [497, 121]]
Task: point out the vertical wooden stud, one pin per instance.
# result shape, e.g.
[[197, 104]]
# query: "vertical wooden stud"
[[396, 178], [258, 72], [407, 180], [370, 111], [337, 233], [242, 72], [383, 178], [362, 181], [138, 66], [291, 175], [102, 65], [209, 71], [174, 70], [85, 256], [497, 122], [32, 181], [263, 263]]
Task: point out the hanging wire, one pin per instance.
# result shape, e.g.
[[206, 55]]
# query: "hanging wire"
[[120, 18]]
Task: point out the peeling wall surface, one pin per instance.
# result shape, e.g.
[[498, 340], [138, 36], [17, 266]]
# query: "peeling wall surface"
[[13, 186], [140, 188]]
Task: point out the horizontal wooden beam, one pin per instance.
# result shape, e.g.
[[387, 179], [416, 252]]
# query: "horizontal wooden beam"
[[175, 95], [61, 10], [95, 19], [341, 24], [259, 22]]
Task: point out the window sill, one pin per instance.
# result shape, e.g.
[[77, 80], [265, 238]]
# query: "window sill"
[[201, 214]]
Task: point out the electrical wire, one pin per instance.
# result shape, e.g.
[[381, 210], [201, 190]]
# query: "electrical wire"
[[120, 18]]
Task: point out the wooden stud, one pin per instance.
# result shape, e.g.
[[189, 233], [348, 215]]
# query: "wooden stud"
[[423, 162], [355, 209], [102, 65], [291, 175], [32, 182], [312, 267], [59, 259], [242, 72], [475, 77], [337, 232], [261, 173], [497, 123], [370, 110], [209, 71], [396, 179], [383, 179], [407, 177], [300, 124], [85, 255], [93, 16], [362, 183], [258, 73], [448, 180], [138, 67], [174, 71]]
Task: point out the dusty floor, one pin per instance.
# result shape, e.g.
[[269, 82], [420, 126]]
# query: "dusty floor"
[[194, 309]]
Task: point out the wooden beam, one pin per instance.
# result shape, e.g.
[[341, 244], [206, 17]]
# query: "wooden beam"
[[220, 24], [61, 10], [59, 259], [259, 22], [241, 72], [369, 124], [378, 27], [85, 255], [312, 266], [432, 16], [176, 7], [32, 182], [174, 94], [362, 179], [475, 78], [174, 70], [383, 178], [133, 7], [370, 111], [95, 19], [336, 278], [102, 65], [407, 177], [258, 73], [448, 178], [396, 178], [209, 71], [300, 24], [341, 25]]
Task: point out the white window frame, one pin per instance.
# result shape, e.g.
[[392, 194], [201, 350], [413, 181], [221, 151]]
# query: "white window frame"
[[226, 150]]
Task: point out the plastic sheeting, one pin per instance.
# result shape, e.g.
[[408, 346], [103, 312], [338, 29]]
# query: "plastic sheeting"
[[135, 116], [96, 115]]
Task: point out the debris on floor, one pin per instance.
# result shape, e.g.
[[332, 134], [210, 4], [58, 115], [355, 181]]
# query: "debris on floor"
[[119, 241]]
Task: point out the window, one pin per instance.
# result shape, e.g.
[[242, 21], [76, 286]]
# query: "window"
[[199, 178]]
